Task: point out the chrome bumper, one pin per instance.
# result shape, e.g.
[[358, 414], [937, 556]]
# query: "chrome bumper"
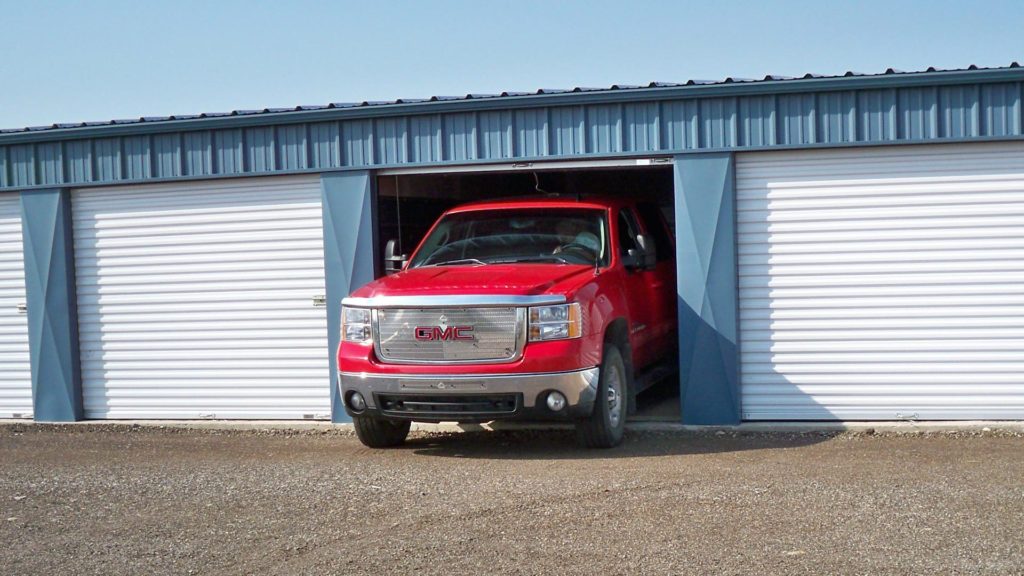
[[579, 386]]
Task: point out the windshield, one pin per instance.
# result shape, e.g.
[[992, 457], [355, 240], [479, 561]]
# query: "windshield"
[[555, 236]]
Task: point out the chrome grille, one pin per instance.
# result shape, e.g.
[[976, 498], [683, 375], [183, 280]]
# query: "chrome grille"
[[497, 334]]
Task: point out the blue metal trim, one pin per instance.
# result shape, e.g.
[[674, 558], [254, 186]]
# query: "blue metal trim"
[[349, 255], [52, 305], [707, 289], [931, 114], [520, 160]]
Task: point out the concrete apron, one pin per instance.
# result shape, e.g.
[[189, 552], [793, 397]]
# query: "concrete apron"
[[749, 427]]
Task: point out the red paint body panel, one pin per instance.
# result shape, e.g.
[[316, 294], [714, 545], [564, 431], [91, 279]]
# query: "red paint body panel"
[[553, 356], [518, 279]]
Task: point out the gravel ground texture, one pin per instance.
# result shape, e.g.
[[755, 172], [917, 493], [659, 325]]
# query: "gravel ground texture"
[[119, 499]]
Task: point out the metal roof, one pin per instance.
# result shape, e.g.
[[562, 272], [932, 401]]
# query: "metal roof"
[[659, 119], [792, 81]]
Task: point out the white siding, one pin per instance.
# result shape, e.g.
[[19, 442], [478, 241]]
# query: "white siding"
[[882, 283], [15, 367], [196, 300]]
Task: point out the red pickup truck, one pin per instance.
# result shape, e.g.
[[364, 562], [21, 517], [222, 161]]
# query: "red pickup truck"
[[543, 308]]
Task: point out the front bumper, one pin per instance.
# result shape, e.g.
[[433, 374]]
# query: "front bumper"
[[470, 397]]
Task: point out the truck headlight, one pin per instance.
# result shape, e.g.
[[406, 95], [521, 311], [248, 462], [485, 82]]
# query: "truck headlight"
[[355, 325], [559, 322]]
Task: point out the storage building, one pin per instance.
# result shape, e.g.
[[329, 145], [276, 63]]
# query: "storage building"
[[848, 247]]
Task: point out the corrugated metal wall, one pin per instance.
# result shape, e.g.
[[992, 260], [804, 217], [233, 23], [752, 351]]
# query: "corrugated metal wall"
[[910, 114], [882, 284]]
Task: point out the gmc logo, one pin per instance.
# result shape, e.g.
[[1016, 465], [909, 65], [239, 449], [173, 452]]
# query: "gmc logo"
[[448, 334]]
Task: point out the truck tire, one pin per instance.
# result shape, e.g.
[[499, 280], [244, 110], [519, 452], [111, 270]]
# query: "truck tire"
[[380, 433], [605, 426]]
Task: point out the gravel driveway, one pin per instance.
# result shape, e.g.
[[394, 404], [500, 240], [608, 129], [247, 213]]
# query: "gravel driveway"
[[104, 499]]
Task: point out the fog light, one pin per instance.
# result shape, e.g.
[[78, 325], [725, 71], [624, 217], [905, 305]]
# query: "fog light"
[[356, 402], [556, 401]]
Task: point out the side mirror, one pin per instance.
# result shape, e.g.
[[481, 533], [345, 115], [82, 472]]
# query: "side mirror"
[[632, 259], [648, 256], [393, 262]]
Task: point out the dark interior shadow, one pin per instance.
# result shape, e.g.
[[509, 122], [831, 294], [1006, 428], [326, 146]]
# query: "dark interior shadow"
[[560, 444], [659, 403]]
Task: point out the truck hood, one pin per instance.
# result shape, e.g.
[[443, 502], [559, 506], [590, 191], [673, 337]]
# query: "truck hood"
[[517, 279]]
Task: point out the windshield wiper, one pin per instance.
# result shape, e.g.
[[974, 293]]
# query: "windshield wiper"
[[542, 258], [459, 262]]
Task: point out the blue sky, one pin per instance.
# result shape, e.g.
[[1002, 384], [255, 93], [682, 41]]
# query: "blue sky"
[[103, 60]]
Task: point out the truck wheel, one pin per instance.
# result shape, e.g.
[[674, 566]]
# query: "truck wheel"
[[380, 433], [604, 427]]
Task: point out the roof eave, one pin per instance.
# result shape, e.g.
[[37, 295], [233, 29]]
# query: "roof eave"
[[519, 101]]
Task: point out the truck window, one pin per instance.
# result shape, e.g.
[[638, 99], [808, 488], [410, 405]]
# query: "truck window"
[[548, 236], [628, 230], [655, 227]]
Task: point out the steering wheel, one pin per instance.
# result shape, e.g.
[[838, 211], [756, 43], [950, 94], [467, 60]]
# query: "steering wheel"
[[578, 246], [579, 250]]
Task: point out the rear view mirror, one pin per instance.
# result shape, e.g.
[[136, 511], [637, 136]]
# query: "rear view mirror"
[[393, 262]]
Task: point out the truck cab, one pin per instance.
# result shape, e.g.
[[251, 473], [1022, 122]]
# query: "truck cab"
[[540, 308]]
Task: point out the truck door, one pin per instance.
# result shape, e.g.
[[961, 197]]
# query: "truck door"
[[650, 294], [663, 278]]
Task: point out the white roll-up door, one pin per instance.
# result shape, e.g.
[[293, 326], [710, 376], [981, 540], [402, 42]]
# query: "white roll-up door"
[[196, 300], [15, 367], [882, 283]]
